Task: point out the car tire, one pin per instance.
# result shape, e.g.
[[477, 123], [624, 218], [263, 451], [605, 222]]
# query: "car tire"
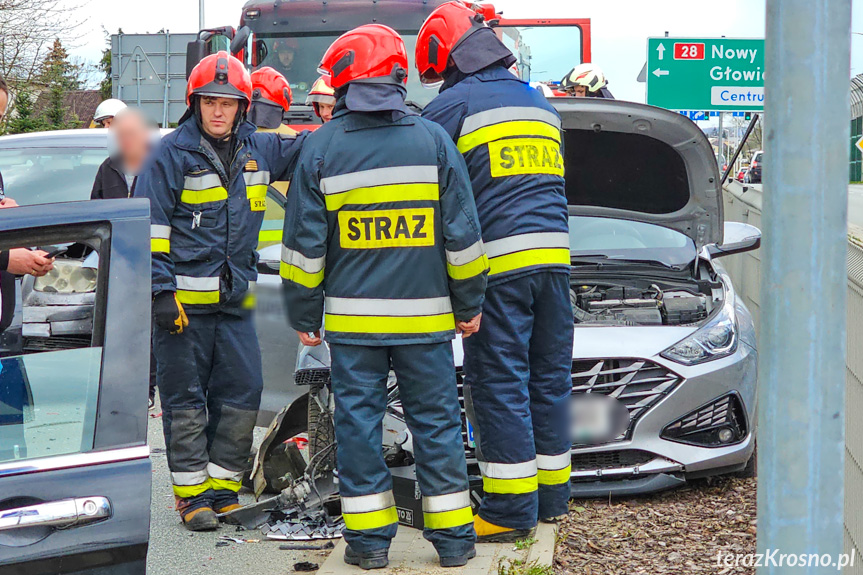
[[751, 469], [321, 432]]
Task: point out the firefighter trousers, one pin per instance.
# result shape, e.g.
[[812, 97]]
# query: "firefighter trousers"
[[429, 397], [517, 387], [210, 385]]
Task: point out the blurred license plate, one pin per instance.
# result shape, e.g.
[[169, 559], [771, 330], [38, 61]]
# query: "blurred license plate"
[[596, 418]]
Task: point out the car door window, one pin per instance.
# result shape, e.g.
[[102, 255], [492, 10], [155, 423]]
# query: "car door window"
[[45, 175], [274, 220]]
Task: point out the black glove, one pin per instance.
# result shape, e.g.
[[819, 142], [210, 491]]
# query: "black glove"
[[168, 312]]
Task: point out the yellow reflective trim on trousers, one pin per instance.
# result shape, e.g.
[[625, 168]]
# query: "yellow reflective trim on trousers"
[[527, 258], [256, 191], [556, 477], [198, 297], [389, 324], [186, 491], [523, 128], [225, 484], [204, 196], [160, 245], [371, 520], [270, 236], [468, 270], [448, 519], [383, 194], [510, 486], [300, 276]]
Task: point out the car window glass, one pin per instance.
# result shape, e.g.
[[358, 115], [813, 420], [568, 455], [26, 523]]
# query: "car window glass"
[[274, 221], [49, 386], [625, 239], [544, 53], [46, 175]]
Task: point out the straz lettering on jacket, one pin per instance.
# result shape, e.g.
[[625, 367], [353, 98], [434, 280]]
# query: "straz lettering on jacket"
[[520, 140], [384, 228]]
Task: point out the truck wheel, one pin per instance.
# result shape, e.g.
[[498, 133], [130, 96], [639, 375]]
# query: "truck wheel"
[[321, 432]]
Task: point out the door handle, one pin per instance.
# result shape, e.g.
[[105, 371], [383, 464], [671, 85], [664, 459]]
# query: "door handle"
[[60, 514]]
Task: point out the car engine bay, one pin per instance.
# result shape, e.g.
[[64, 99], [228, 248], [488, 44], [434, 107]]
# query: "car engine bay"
[[643, 303]]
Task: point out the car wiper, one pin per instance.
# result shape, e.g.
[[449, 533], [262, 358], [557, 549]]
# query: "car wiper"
[[603, 260]]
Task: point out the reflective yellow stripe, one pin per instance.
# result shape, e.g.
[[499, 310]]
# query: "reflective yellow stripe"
[[556, 477], [160, 245], [509, 486], [529, 128], [468, 270], [204, 196], [270, 235], [448, 519], [370, 520], [259, 191], [198, 297], [225, 484], [186, 491], [381, 324], [300, 276], [383, 194], [527, 258]]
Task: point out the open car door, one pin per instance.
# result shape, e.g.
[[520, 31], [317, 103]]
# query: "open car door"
[[74, 463]]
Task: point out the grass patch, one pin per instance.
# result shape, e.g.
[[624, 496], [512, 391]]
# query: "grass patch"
[[523, 544], [519, 567]]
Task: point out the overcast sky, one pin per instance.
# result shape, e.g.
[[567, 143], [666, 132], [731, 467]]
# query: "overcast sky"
[[620, 27]]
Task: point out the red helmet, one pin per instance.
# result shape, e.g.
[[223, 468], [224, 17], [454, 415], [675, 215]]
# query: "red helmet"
[[373, 51], [442, 31], [220, 75], [269, 85]]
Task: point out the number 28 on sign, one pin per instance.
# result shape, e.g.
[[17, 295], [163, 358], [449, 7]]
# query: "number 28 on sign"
[[686, 51]]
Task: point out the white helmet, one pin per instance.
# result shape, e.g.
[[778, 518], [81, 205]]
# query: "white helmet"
[[108, 109], [588, 75]]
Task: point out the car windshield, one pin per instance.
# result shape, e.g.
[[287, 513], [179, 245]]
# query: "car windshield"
[[47, 175], [298, 57], [629, 240]]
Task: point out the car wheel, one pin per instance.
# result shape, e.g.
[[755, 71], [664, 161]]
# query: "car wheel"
[[751, 469], [321, 432]]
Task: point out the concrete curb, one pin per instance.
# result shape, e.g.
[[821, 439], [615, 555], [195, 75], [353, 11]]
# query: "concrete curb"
[[411, 554]]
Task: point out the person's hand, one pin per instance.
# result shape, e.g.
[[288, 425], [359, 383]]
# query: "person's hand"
[[8, 203], [468, 328], [23, 262], [168, 312], [310, 340]]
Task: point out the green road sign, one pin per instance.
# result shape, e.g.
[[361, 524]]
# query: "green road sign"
[[706, 74]]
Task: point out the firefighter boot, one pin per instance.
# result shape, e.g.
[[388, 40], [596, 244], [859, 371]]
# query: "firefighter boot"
[[458, 560], [375, 559], [490, 533], [225, 502], [197, 513]]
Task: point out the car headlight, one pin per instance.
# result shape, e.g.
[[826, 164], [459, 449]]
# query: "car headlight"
[[68, 276], [716, 339]]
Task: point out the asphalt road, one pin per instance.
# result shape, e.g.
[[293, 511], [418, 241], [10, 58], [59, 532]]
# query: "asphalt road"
[[176, 551]]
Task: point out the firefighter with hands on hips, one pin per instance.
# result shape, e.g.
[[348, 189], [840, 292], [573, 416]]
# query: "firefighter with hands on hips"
[[517, 368], [382, 240], [323, 98], [207, 187]]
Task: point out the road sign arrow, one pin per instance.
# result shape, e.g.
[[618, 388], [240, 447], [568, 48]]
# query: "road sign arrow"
[[659, 73], [661, 50], [859, 145]]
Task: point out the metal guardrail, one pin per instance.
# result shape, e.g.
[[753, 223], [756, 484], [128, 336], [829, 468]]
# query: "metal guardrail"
[[743, 204]]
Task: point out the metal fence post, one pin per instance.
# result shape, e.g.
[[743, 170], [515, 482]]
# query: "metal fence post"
[[802, 371]]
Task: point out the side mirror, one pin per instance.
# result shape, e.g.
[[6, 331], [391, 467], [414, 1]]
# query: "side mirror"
[[195, 52], [260, 53], [739, 238], [269, 260], [240, 39]]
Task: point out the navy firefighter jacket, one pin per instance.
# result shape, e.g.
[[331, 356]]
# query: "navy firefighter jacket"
[[205, 222], [511, 140], [381, 234]]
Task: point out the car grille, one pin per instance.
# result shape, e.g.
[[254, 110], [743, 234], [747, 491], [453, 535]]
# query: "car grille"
[[55, 343], [637, 383], [610, 459], [702, 426], [312, 377]]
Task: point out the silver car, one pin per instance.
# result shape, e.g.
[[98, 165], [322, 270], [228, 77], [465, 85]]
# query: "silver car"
[[660, 335]]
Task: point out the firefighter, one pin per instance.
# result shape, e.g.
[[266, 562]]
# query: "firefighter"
[[105, 112], [586, 81], [381, 220], [322, 97], [271, 98], [517, 368], [207, 187]]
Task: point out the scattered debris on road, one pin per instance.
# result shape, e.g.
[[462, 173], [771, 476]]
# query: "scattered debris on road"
[[306, 547], [683, 530], [305, 566]]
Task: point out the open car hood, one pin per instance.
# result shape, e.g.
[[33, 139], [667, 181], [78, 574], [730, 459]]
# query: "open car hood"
[[636, 162]]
